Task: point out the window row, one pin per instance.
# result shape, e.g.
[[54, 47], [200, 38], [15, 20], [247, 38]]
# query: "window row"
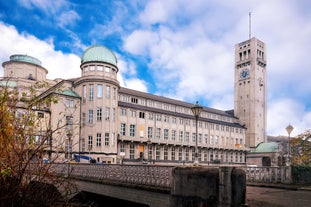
[[94, 141], [179, 136], [180, 121], [88, 91], [110, 114], [173, 108], [99, 68], [158, 152]]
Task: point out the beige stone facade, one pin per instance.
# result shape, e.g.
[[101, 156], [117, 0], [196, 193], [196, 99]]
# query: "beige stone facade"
[[112, 124], [250, 86]]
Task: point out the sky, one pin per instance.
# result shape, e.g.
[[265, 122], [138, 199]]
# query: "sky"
[[173, 48]]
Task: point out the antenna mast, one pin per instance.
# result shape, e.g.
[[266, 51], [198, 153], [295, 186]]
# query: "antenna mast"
[[249, 25]]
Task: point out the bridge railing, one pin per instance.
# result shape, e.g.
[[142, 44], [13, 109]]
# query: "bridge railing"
[[143, 175], [268, 174]]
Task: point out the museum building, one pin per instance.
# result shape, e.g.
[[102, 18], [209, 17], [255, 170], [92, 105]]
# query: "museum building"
[[114, 124]]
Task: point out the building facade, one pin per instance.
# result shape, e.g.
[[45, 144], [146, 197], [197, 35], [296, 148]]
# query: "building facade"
[[113, 124]]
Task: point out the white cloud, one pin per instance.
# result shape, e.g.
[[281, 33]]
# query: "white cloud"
[[282, 112], [136, 84], [67, 18], [191, 52], [58, 64]]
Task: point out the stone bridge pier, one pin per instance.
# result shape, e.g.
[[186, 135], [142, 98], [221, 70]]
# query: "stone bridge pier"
[[201, 186]]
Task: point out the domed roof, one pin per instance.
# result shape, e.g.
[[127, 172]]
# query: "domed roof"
[[99, 53], [25, 58]]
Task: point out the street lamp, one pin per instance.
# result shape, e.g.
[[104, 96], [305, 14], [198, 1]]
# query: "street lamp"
[[289, 130], [196, 110]]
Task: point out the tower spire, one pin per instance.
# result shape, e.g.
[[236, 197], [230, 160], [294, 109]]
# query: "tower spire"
[[249, 25]]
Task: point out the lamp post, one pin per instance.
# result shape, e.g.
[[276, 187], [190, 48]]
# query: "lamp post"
[[196, 110], [289, 130]]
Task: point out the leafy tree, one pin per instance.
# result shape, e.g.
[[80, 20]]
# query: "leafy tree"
[[301, 149], [24, 142]]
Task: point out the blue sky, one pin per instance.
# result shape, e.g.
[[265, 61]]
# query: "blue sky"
[[176, 48]]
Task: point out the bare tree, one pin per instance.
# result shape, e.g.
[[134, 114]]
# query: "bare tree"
[[25, 143]]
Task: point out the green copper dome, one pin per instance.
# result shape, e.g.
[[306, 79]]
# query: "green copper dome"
[[99, 53], [25, 58]]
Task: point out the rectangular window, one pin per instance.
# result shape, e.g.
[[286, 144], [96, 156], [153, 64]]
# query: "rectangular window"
[[158, 117], [158, 152], [173, 135], [123, 112], [91, 92], [180, 154], [181, 136], [187, 135], [91, 116], [108, 92], [174, 120], [90, 143], [165, 152], [122, 148], [99, 114], [99, 90], [132, 130], [134, 100], [206, 138], [193, 137], [158, 133], [141, 115], [100, 68], [173, 153], [107, 114], [150, 116], [187, 154], [150, 151], [114, 93], [98, 139], [205, 155], [150, 129], [165, 134], [132, 151], [69, 103], [200, 138], [122, 129], [106, 139]]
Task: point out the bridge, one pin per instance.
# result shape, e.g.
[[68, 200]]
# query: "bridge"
[[156, 185]]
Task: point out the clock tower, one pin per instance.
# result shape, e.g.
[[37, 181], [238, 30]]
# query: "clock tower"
[[250, 102]]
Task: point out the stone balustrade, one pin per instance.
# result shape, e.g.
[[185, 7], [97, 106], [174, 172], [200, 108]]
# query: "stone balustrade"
[[268, 174], [143, 175]]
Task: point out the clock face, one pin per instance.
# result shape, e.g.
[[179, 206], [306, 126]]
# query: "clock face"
[[244, 73]]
